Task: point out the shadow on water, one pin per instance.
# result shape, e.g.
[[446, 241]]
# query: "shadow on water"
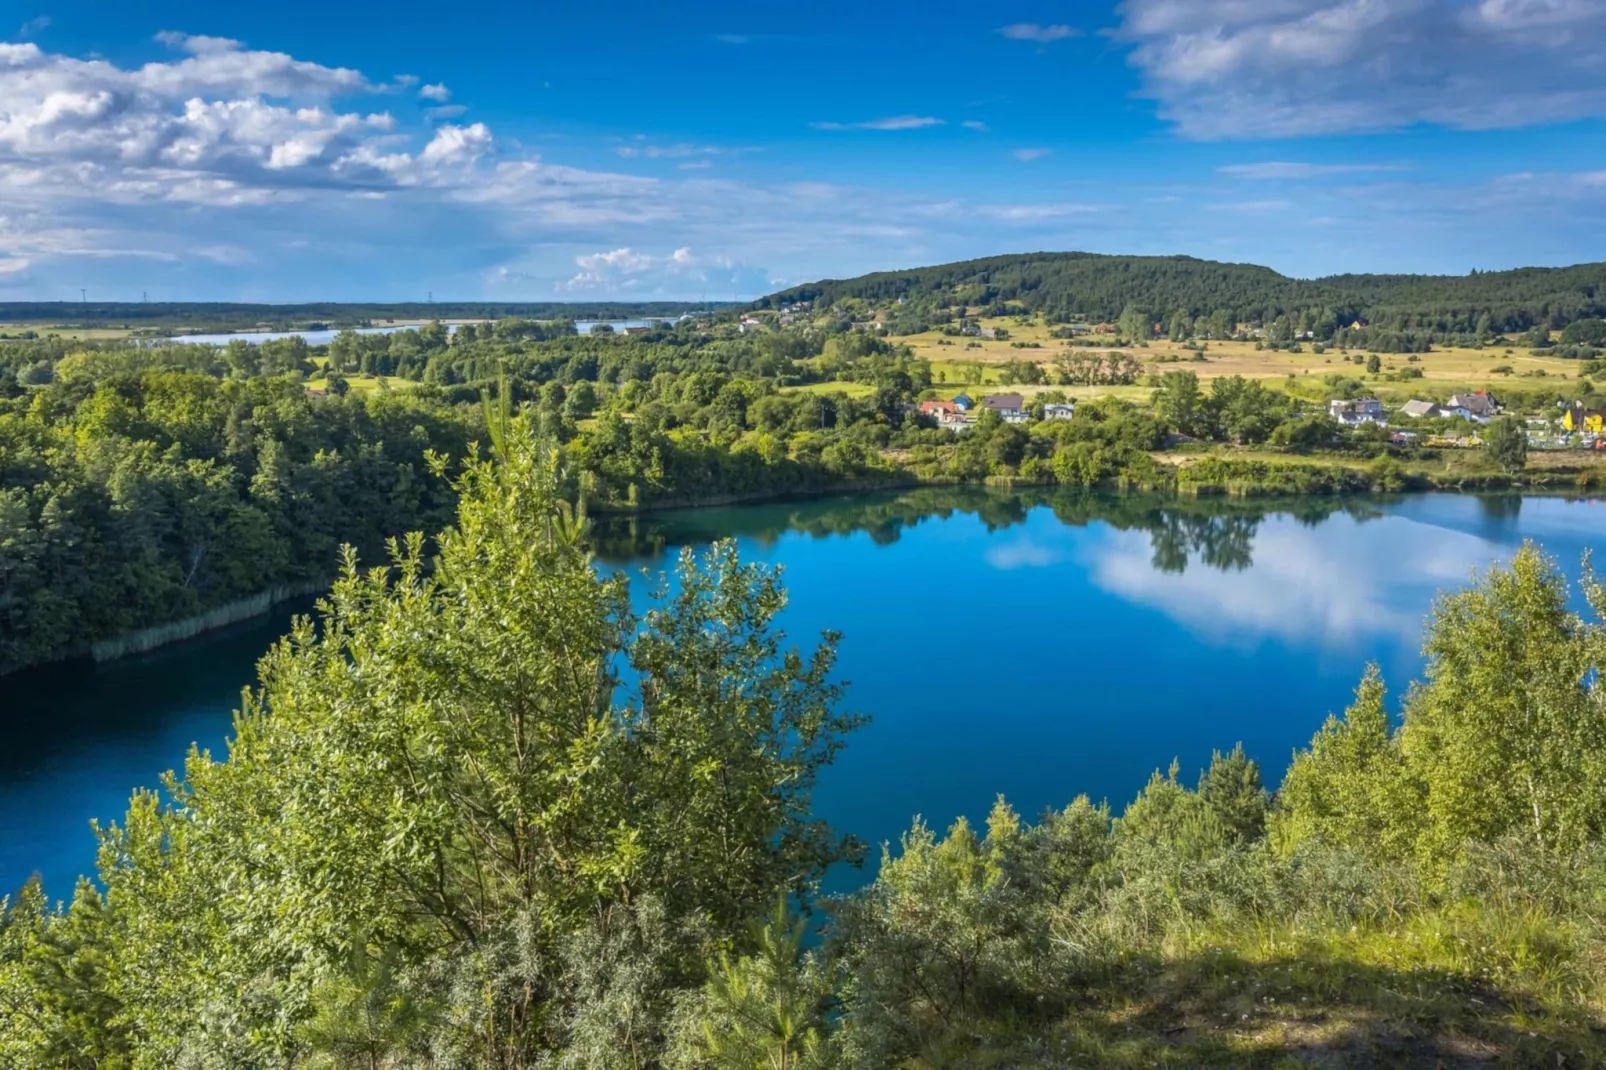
[[56, 710], [80, 738]]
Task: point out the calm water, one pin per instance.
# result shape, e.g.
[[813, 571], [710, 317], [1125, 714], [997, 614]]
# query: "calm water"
[[323, 338], [1037, 645]]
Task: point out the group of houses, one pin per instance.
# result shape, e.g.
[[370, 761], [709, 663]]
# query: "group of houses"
[[959, 413], [1479, 407]]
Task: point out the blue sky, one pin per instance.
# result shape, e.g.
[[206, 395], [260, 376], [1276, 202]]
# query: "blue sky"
[[294, 151]]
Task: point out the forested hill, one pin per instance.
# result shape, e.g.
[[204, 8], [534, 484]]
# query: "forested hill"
[[1070, 286]]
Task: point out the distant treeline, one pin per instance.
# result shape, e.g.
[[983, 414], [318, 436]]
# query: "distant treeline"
[[232, 316], [1086, 286], [146, 484]]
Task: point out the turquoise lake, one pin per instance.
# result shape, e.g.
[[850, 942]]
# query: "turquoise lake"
[[1038, 645]]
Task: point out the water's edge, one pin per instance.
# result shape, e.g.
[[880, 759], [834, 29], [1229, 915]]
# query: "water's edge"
[[160, 635], [148, 639]]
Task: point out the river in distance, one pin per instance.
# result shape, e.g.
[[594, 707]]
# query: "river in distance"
[[1037, 644], [324, 337]]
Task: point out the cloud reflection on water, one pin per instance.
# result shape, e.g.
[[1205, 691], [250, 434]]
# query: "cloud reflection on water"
[[1337, 584]]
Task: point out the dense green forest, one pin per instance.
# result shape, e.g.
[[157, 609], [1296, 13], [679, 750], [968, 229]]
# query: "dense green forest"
[[485, 814], [144, 484], [1087, 286]]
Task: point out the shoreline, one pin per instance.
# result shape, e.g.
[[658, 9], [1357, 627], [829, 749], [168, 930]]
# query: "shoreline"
[[177, 632]]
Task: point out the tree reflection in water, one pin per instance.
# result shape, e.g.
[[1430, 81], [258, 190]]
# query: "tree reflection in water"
[[1217, 533]]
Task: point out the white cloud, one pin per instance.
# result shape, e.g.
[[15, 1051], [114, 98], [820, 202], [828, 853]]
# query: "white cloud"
[[1288, 68], [1273, 170], [35, 25], [197, 44], [1043, 35], [445, 111], [457, 144], [975, 124], [1028, 155], [436, 92], [626, 270], [677, 151], [1030, 213], [895, 122]]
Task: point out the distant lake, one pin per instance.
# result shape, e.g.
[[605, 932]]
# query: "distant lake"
[[323, 338], [1035, 644]]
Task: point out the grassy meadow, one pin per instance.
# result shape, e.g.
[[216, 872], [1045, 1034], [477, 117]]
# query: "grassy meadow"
[[1444, 371]]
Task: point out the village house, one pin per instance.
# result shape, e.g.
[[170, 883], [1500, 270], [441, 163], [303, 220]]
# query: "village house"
[[1357, 412], [1480, 405], [938, 407], [954, 421], [1058, 411], [1011, 407], [964, 402], [1588, 421], [1422, 409]]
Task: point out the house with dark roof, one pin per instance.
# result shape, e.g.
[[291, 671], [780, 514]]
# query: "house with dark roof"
[[1011, 407], [1480, 405]]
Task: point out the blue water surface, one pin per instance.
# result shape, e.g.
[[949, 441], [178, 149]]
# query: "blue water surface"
[[1037, 645]]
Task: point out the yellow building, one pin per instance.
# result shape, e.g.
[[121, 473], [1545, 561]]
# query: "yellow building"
[[1589, 421]]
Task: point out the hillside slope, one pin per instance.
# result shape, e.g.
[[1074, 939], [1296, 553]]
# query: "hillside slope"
[[1065, 286]]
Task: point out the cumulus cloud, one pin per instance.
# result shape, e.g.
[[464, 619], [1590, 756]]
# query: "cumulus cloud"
[[436, 92], [1275, 170], [221, 123], [1288, 68], [1043, 35], [895, 122], [626, 270], [86, 143]]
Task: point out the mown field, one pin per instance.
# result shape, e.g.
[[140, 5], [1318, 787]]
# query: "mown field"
[[974, 362]]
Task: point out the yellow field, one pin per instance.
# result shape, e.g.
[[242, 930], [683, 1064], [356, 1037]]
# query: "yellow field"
[[1444, 371], [99, 334]]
